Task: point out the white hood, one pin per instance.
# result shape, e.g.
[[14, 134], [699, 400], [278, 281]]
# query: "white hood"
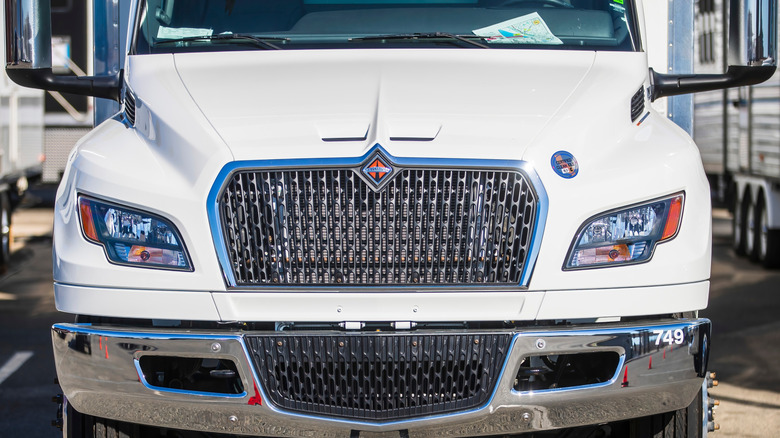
[[424, 103]]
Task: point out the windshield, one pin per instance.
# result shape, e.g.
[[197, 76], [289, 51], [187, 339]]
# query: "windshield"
[[201, 25]]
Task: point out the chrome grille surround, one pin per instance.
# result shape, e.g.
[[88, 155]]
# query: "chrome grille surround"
[[328, 226]]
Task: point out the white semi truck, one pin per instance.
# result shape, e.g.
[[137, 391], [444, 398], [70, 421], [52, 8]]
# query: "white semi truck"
[[387, 218]]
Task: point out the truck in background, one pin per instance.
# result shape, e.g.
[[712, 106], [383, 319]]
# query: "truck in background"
[[21, 151], [67, 117], [738, 133], [377, 218]]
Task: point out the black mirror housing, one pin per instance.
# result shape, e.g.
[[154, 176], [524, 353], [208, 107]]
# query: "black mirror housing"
[[664, 85], [107, 87], [753, 48]]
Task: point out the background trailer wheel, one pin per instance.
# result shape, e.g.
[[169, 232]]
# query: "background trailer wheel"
[[766, 246], [5, 231], [738, 225], [749, 224]]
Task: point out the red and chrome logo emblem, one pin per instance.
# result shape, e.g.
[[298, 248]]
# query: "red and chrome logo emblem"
[[377, 169]]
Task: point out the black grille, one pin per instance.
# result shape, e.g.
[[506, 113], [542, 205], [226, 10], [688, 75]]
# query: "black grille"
[[130, 106], [637, 104], [379, 376], [426, 226]]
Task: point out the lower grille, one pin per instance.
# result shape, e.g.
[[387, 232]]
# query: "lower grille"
[[379, 376]]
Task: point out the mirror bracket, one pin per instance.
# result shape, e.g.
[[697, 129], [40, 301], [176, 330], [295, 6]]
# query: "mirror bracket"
[[663, 85], [107, 87]]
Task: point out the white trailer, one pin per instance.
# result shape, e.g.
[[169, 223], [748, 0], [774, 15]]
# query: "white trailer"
[[738, 132], [387, 218]]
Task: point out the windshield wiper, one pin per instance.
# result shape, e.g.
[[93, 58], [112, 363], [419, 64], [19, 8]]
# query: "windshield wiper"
[[258, 41], [468, 39]]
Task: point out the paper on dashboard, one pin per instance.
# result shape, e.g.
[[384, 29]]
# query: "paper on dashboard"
[[528, 29]]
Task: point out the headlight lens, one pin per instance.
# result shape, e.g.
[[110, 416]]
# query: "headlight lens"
[[132, 237], [626, 236]]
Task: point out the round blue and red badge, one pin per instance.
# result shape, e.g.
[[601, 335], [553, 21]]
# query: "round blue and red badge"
[[564, 164]]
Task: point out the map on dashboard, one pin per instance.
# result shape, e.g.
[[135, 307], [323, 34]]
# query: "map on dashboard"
[[528, 29]]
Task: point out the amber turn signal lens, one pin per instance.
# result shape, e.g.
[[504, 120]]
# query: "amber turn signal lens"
[[673, 220]]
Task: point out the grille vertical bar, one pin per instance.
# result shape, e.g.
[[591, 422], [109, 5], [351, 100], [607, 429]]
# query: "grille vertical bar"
[[379, 377], [425, 227]]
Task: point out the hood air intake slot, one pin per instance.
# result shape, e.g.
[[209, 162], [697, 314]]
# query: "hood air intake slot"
[[130, 106], [637, 104]]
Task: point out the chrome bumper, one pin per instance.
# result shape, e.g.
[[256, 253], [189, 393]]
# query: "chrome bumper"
[[99, 376]]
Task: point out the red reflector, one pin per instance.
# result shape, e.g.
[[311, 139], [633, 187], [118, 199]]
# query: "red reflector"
[[87, 224], [673, 220], [255, 399]]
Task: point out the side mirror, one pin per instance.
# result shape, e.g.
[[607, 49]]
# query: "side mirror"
[[28, 54], [753, 23]]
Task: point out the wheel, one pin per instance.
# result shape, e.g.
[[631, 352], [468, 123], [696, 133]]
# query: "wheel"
[[5, 231], [684, 423], [738, 227], [750, 225], [766, 248], [78, 425]]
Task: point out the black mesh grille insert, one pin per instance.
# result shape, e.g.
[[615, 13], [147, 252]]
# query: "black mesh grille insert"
[[379, 376], [637, 104], [426, 226]]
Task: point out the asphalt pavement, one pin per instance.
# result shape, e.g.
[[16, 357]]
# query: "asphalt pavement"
[[26, 313], [744, 305], [744, 302]]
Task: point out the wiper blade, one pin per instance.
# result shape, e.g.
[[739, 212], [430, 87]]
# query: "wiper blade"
[[468, 39], [264, 42]]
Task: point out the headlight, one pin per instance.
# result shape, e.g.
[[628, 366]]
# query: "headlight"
[[132, 237], [625, 236]]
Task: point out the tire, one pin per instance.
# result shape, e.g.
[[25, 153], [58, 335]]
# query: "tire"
[[684, 423], [5, 231], [767, 245], [749, 225], [738, 226], [78, 425]]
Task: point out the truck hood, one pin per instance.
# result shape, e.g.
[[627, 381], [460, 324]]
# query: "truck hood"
[[425, 103]]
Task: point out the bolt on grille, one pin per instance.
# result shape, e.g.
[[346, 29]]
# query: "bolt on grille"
[[379, 377], [329, 227]]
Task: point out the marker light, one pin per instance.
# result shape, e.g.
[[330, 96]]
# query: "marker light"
[[132, 237], [625, 236]]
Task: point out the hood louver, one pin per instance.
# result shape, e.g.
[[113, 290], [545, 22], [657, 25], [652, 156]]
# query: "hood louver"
[[637, 104], [130, 107]]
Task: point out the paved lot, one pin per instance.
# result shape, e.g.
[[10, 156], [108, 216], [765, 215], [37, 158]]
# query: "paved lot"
[[743, 305], [744, 302], [26, 313]]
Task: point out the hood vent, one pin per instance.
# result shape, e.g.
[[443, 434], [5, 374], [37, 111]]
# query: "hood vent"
[[130, 106], [638, 104]]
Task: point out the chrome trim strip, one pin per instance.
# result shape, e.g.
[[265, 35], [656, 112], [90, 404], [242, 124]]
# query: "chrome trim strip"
[[667, 384], [212, 205]]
